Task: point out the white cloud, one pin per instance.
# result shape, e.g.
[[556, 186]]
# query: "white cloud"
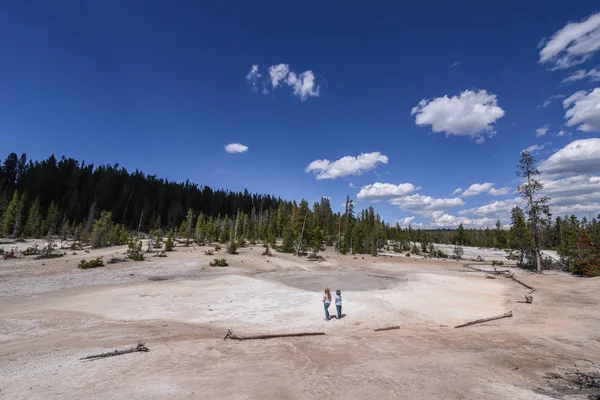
[[583, 110], [351, 184], [406, 221], [499, 192], [573, 44], [324, 169], [593, 75], [561, 133], [278, 73], [303, 84], [253, 76], [424, 204], [494, 210], [551, 99], [477, 188], [578, 157], [542, 131], [457, 191], [536, 147], [472, 113], [234, 148], [455, 64], [448, 221], [378, 191]]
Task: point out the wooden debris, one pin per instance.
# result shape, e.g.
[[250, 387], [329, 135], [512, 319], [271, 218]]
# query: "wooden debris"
[[479, 321], [512, 276], [231, 335], [495, 271], [141, 346], [389, 328]]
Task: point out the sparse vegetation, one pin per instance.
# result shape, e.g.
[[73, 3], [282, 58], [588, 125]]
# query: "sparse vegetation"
[[32, 251], [267, 251], [208, 252], [219, 262], [169, 244], [134, 251], [95, 263], [161, 254]]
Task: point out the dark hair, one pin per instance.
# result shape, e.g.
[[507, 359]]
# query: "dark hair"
[[338, 292]]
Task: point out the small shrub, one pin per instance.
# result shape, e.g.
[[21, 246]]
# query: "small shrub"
[[161, 254], [480, 259], [209, 253], [48, 252], [9, 254], [75, 246], [407, 254], [217, 247], [95, 263], [232, 248], [219, 262], [20, 240], [415, 250], [252, 242], [1, 251], [32, 251], [115, 260], [267, 251], [495, 263], [241, 242], [169, 245], [315, 257], [134, 251]]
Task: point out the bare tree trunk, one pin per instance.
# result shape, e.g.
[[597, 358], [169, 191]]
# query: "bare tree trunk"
[[301, 235], [236, 226], [140, 224]]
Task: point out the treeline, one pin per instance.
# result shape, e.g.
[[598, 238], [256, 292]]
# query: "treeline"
[[71, 199]]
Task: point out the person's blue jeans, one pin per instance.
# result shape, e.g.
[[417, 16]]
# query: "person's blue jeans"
[[339, 310], [326, 310]]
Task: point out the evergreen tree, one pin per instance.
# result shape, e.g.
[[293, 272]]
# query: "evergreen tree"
[[52, 217], [519, 238], [169, 244], [537, 206], [33, 226], [10, 215], [499, 236], [102, 230]]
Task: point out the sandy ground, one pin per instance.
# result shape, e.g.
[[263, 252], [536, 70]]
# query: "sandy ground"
[[52, 314]]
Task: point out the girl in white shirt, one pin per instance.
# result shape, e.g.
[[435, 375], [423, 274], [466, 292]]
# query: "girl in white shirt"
[[326, 303]]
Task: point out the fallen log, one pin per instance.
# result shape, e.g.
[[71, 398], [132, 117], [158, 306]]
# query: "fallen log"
[[512, 276], [479, 321], [388, 328], [141, 346], [231, 335], [495, 271]]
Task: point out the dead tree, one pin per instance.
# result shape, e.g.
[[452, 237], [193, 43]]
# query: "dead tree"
[[479, 321], [231, 335], [141, 346], [389, 328]]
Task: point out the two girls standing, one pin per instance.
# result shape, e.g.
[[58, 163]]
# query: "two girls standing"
[[327, 303]]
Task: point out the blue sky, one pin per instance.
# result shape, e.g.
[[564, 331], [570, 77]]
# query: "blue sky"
[[165, 86]]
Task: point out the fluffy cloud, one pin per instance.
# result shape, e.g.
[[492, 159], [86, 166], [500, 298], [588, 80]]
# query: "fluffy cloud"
[[593, 75], [571, 178], [578, 157], [583, 110], [234, 148], [550, 100], [280, 75], [561, 133], [303, 84], [451, 221], [542, 131], [425, 204], [573, 44], [351, 185], [472, 113], [253, 76], [405, 221], [325, 169], [536, 147], [499, 192], [379, 191], [494, 210], [457, 191], [477, 188]]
